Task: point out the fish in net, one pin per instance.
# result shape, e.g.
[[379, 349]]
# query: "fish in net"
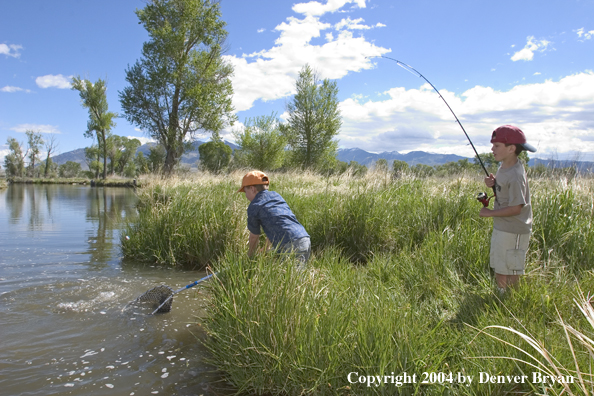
[[155, 297]]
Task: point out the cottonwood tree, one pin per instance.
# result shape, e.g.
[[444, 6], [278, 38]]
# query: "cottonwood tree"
[[120, 150], [69, 169], [214, 155], [262, 144], [14, 162], [156, 158], [101, 120], [51, 145], [92, 156], [181, 86], [34, 143], [314, 120]]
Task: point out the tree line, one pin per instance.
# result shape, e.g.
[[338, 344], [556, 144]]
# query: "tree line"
[[181, 88]]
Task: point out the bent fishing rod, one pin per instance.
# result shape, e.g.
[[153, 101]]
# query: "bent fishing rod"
[[416, 73]]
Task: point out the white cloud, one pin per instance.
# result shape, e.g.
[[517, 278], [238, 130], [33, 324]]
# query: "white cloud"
[[4, 151], [261, 30], [349, 23], [586, 35], [315, 8], [537, 74], [527, 53], [554, 115], [56, 81], [143, 140], [10, 50], [270, 74], [11, 89], [43, 128]]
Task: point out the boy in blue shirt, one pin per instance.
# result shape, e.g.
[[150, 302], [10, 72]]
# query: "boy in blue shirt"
[[512, 213], [269, 211]]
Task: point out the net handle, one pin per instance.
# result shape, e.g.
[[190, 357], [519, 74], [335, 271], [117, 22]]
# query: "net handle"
[[182, 289]]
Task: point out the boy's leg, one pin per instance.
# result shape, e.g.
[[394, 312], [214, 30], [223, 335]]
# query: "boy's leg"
[[301, 248], [503, 281], [505, 260]]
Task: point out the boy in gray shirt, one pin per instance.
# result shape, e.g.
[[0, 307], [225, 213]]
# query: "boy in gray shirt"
[[512, 213]]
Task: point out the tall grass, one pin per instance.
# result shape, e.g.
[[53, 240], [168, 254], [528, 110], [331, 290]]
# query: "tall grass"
[[399, 282]]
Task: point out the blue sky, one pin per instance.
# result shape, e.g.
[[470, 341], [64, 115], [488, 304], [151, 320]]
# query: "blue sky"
[[527, 63]]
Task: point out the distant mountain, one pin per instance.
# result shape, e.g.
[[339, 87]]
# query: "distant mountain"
[[355, 154], [581, 166], [189, 158], [412, 158], [77, 155]]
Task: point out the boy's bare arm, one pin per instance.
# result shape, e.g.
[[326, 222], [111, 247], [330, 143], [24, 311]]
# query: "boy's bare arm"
[[503, 212], [252, 244]]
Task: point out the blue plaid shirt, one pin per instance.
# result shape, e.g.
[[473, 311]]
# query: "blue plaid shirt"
[[270, 211]]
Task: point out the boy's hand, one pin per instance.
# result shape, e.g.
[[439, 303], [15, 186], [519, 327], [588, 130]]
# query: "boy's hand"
[[490, 181], [485, 212]]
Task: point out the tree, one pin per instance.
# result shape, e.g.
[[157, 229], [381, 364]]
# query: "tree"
[[399, 167], [381, 165], [101, 121], [69, 169], [356, 169], [156, 158], [181, 85], [92, 159], [314, 120], [50, 146], [524, 157], [34, 142], [488, 160], [127, 152], [141, 164], [120, 150], [262, 144], [214, 155], [14, 163]]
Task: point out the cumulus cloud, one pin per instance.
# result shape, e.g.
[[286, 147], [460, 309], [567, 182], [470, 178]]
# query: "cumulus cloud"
[[555, 115], [11, 89], [4, 151], [143, 140], [315, 8], [270, 73], [43, 128], [584, 35], [11, 50], [53, 81], [532, 46]]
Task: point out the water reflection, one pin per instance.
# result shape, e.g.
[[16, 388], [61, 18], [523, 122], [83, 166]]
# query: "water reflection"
[[104, 210]]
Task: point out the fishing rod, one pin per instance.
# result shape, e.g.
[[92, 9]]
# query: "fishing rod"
[[481, 198]]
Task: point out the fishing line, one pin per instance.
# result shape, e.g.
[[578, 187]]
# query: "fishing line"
[[416, 73]]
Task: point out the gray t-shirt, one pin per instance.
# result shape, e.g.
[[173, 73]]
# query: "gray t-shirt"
[[512, 190]]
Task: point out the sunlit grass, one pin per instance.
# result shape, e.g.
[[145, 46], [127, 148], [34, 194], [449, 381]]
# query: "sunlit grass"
[[398, 281]]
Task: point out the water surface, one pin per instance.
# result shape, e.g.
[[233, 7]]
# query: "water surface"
[[63, 285]]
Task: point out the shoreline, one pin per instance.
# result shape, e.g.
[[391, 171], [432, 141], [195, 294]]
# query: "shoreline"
[[78, 181]]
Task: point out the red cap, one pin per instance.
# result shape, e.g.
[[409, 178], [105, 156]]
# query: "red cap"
[[253, 178], [509, 134]]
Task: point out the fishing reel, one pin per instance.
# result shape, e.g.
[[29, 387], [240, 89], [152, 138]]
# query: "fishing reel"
[[484, 199]]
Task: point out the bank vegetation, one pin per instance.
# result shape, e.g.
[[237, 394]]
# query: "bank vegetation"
[[399, 282]]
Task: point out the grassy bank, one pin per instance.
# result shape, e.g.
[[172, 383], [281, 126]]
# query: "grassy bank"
[[111, 182], [399, 282]]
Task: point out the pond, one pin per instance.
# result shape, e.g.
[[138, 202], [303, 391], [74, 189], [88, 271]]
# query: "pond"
[[63, 287]]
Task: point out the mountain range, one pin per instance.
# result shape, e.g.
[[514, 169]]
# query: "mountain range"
[[352, 154]]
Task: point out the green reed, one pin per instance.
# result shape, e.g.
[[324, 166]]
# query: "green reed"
[[399, 281]]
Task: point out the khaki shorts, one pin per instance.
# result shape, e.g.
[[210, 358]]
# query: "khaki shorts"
[[508, 252]]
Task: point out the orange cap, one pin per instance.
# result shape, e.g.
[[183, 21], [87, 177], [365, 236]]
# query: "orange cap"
[[253, 178]]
